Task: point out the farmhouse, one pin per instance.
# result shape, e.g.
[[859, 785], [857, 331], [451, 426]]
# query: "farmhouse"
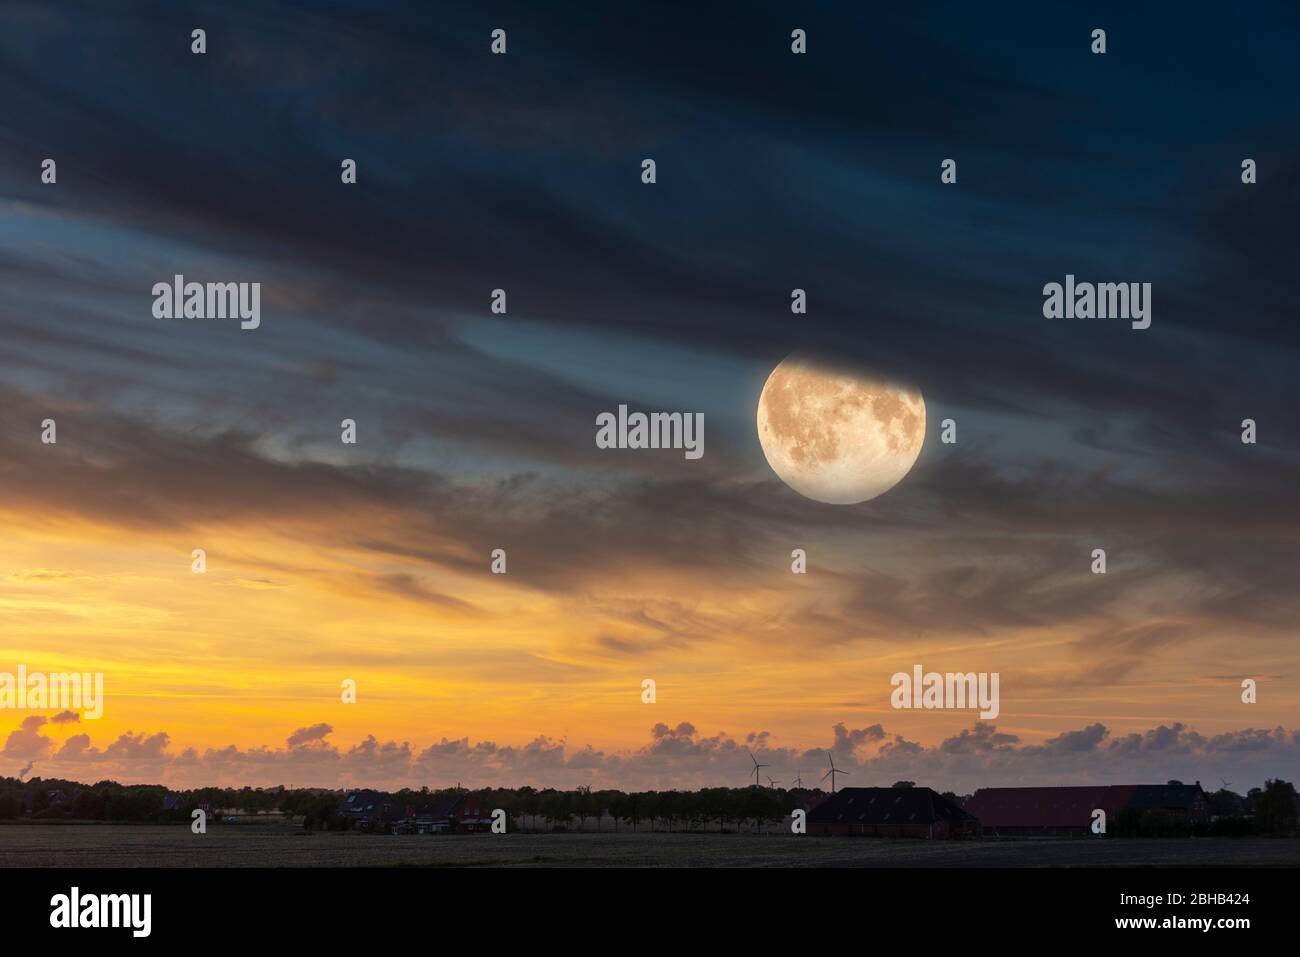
[[891, 812], [473, 818], [1185, 803], [370, 810], [456, 813], [434, 817]]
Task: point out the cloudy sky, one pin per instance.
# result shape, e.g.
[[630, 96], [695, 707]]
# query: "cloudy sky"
[[476, 431]]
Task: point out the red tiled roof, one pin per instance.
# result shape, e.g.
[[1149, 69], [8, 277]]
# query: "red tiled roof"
[[1047, 807]]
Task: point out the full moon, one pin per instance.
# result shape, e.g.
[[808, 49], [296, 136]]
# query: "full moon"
[[835, 436]]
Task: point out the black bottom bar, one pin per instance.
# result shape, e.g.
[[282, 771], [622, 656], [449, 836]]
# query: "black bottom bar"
[[539, 906]]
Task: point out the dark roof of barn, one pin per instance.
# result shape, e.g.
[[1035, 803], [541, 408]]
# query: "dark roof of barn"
[[875, 807]]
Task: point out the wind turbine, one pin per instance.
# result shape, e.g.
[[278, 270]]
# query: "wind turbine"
[[770, 781], [832, 772], [756, 767], [798, 779]]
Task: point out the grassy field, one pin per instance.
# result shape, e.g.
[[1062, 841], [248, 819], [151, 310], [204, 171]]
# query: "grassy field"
[[94, 845]]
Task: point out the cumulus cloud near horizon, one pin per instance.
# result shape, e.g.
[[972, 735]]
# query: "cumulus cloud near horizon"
[[675, 756]]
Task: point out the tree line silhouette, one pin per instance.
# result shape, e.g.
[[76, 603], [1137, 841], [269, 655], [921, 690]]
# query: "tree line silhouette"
[[1268, 810]]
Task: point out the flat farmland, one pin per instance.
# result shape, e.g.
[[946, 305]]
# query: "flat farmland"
[[94, 845]]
